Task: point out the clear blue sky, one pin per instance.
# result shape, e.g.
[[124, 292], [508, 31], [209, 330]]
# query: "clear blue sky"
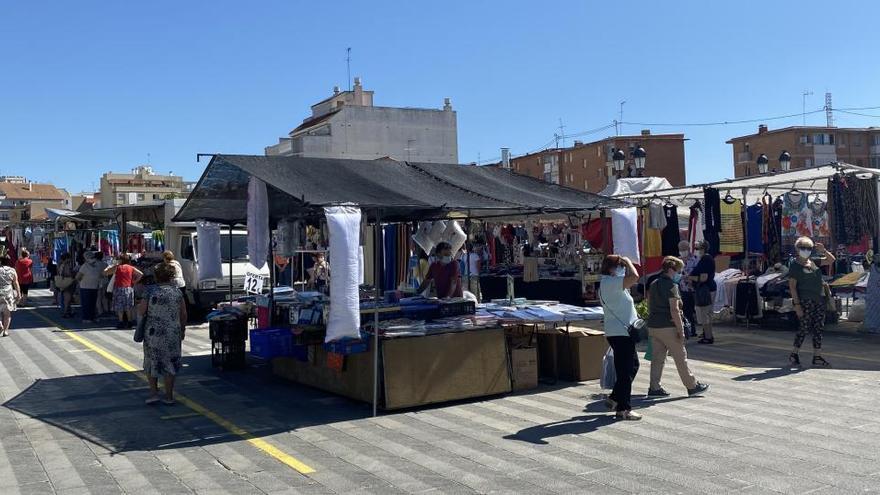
[[88, 86]]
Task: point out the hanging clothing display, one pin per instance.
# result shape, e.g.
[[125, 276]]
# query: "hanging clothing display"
[[625, 235], [821, 230], [389, 234], [652, 243], [696, 224], [731, 237], [772, 216], [872, 301], [344, 229], [210, 264], [795, 220], [712, 210], [657, 218], [755, 228], [258, 223], [670, 236]]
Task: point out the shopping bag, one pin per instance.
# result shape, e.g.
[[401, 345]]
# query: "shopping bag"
[[609, 375], [112, 284]]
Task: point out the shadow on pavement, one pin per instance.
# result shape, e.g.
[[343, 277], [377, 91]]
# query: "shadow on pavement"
[[108, 409], [768, 374]]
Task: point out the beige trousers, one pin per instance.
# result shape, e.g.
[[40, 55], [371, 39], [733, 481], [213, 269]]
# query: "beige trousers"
[[663, 341]]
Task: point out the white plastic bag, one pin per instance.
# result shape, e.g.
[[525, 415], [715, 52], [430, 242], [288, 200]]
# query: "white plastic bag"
[[423, 237], [609, 376], [454, 235], [438, 230], [344, 224]]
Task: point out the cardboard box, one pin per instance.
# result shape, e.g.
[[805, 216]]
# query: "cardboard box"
[[524, 363], [580, 354]]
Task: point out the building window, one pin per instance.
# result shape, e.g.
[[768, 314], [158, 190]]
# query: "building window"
[[857, 140], [140, 197], [808, 162], [571, 178], [823, 138], [551, 169], [585, 163], [157, 196], [120, 199], [805, 139], [875, 162], [876, 139], [746, 147], [586, 185]]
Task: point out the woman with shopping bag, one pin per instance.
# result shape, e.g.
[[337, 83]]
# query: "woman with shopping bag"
[[618, 275]]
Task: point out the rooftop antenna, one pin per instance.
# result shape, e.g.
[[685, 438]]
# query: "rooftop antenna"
[[148, 158], [620, 120], [829, 113], [561, 133], [807, 93], [348, 65]]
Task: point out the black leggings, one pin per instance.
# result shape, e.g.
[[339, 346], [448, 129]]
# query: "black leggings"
[[813, 323], [626, 365]]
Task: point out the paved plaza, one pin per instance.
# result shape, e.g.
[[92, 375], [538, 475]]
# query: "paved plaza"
[[74, 421]]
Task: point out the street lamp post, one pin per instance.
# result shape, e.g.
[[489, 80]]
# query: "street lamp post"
[[785, 161], [619, 159], [639, 156], [763, 163]]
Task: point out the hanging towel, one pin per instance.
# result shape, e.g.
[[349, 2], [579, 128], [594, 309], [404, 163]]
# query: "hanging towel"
[[625, 234], [344, 229], [209, 251], [258, 222]]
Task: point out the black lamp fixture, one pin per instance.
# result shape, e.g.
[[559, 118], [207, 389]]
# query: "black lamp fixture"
[[763, 163], [639, 156], [619, 159], [785, 161]]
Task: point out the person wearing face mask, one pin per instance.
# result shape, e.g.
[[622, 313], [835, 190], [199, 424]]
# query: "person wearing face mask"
[[666, 328], [702, 277], [618, 275], [808, 297], [686, 286], [444, 274]]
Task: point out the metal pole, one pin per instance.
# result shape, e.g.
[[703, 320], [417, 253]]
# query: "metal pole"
[[377, 243], [745, 216], [270, 262], [230, 264]]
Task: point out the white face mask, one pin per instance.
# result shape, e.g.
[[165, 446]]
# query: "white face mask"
[[620, 271], [446, 260], [805, 253], [684, 254]]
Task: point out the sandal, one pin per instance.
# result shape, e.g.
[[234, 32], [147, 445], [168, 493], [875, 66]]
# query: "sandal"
[[628, 416], [794, 359], [820, 362]]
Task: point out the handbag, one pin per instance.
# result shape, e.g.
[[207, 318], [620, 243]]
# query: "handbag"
[[637, 330], [609, 374], [702, 295], [141, 328], [62, 283], [111, 284]]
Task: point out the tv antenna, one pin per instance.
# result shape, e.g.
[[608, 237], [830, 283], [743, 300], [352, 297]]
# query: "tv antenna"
[[619, 123], [807, 93], [561, 133], [348, 65]]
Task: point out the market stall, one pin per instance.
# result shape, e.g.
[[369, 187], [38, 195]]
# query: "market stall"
[[751, 225], [433, 352]]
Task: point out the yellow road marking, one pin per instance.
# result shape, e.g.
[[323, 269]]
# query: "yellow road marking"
[[259, 443], [788, 348]]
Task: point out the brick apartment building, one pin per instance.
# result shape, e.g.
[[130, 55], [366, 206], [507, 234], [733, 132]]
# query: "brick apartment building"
[[809, 146], [588, 166]]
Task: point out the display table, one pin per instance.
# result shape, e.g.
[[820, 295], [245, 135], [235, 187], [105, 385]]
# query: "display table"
[[567, 291], [415, 371]]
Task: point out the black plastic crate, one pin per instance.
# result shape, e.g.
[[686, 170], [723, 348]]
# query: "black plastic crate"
[[228, 355], [228, 331], [457, 308]]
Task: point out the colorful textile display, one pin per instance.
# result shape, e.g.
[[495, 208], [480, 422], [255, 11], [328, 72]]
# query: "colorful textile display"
[[731, 236]]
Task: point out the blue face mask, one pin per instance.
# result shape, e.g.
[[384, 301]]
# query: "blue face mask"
[[676, 278]]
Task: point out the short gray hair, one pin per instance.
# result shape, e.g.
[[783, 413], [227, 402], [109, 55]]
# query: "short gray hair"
[[804, 241]]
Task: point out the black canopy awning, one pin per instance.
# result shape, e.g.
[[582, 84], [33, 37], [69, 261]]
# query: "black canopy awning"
[[398, 191]]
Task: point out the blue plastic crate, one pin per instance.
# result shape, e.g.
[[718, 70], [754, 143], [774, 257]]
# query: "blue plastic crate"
[[347, 346], [271, 342]]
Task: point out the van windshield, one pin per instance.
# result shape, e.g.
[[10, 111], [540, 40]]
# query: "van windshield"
[[239, 247]]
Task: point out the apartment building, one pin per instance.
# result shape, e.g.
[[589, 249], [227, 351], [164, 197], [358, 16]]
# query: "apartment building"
[[809, 146], [589, 166], [142, 185]]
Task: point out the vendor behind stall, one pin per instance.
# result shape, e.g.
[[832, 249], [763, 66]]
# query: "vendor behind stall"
[[444, 274]]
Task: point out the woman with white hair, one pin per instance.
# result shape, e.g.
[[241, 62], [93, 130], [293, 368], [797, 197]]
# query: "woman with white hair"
[[808, 297]]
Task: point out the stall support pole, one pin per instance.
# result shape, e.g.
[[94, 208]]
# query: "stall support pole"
[[230, 264], [377, 261], [745, 216], [270, 263], [643, 261]]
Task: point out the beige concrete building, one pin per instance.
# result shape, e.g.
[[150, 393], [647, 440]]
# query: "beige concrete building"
[[142, 185], [17, 197], [809, 146]]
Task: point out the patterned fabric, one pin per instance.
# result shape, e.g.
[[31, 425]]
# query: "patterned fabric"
[[731, 236], [685, 285], [813, 322], [696, 224], [7, 290], [123, 298], [795, 220], [819, 222], [162, 336]]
